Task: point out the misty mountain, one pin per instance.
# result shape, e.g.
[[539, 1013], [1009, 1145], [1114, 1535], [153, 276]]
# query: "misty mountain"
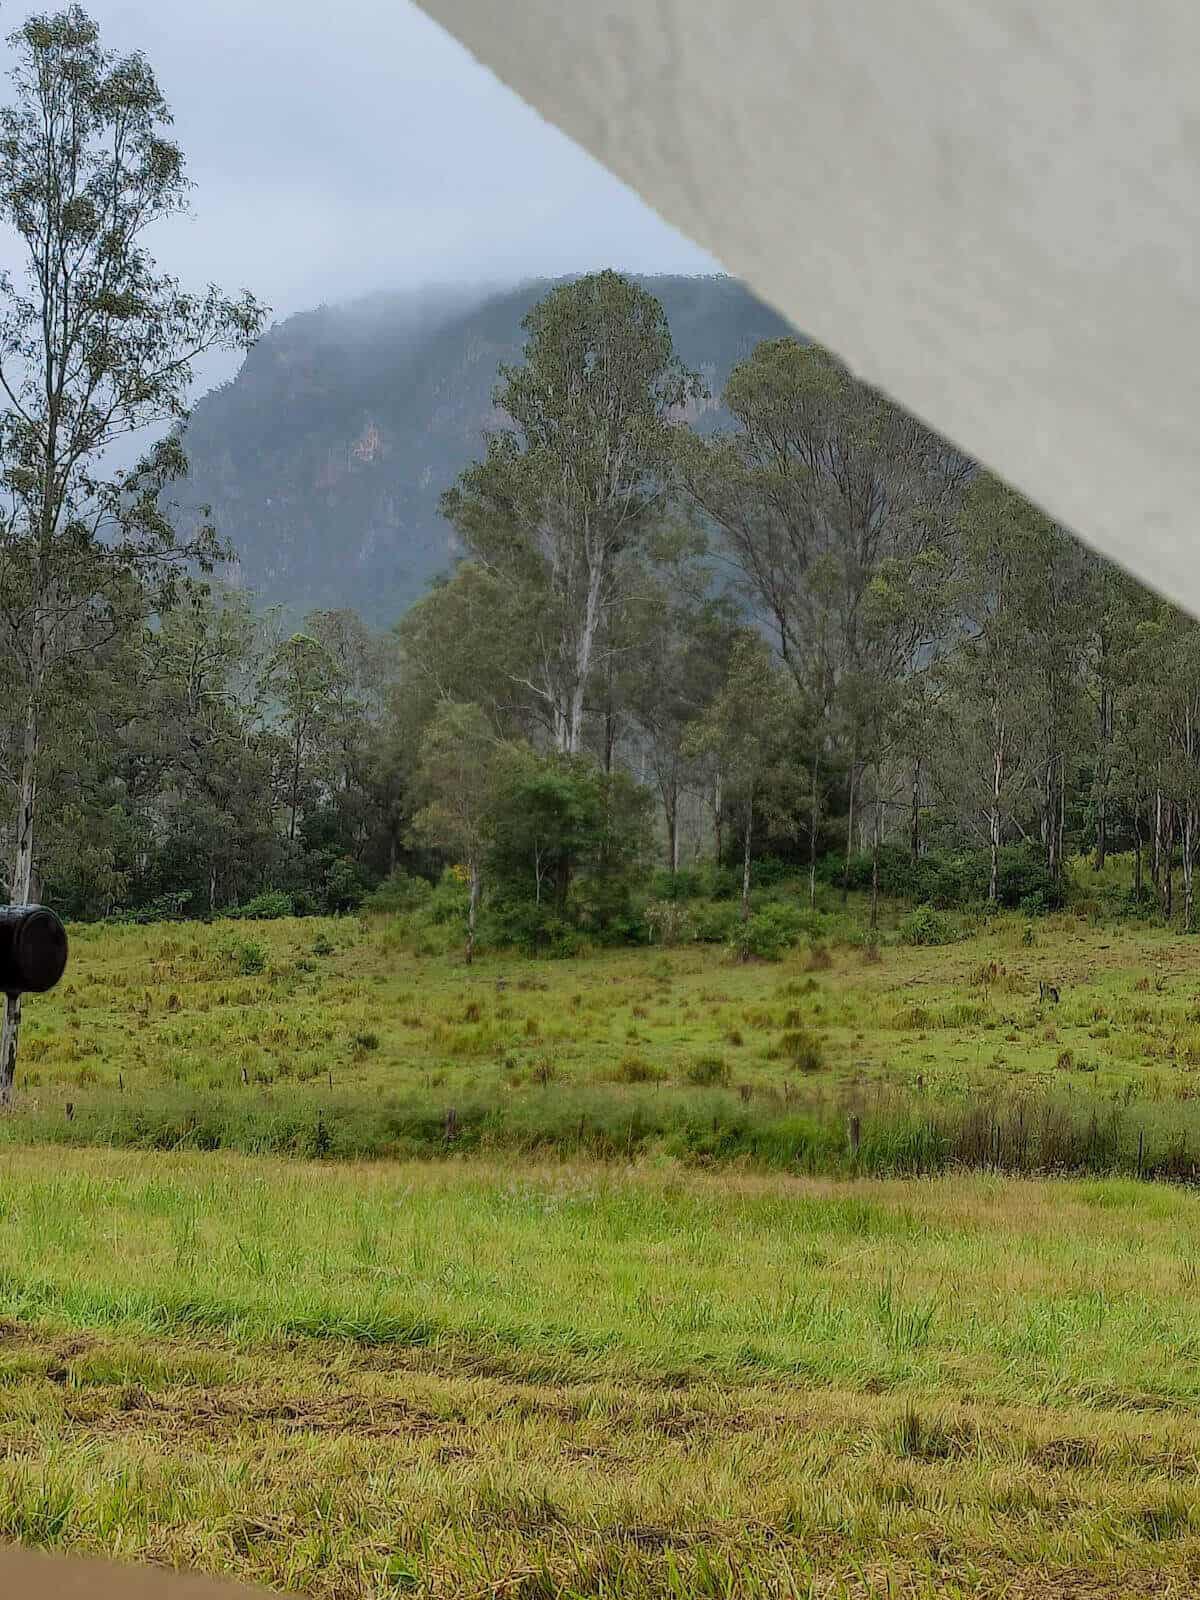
[[323, 460]]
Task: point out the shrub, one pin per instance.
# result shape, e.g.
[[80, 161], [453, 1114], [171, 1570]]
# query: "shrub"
[[602, 906], [708, 1071], [1023, 880], [167, 908], [343, 889], [250, 959], [948, 879], [635, 1069], [925, 927], [715, 924], [534, 929], [768, 933], [800, 1050], [819, 959], [265, 907], [720, 883], [447, 902], [686, 884], [399, 891], [770, 870], [669, 922]]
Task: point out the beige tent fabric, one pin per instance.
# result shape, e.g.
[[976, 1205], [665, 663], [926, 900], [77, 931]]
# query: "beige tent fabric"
[[989, 208]]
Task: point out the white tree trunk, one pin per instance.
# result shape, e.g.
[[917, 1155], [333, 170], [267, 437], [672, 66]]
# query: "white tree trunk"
[[21, 878], [746, 861], [472, 911], [1188, 843], [584, 649], [994, 816]]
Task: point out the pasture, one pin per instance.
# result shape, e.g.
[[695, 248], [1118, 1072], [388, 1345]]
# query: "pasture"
[[330, 1263], [342, 1038], [463, 1379]]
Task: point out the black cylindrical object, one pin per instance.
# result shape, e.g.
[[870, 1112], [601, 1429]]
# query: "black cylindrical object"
[[33, 949]]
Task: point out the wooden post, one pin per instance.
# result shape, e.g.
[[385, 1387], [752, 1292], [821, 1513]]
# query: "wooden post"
[[855, 1135], [451, 1125], [70, 1112]]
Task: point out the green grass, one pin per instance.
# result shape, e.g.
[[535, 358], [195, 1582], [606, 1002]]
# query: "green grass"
[[171, 1037], [460, 1378], [644, 1321]]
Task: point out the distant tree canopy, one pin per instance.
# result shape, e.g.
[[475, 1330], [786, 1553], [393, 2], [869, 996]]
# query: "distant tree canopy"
[[819, 641]]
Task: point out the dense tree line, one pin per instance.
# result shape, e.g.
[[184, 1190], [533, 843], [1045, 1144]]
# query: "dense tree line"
[[820, 635]]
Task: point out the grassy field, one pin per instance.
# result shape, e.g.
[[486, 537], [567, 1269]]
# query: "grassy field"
[[448, 1378], [746, 1354], [339, 1039]]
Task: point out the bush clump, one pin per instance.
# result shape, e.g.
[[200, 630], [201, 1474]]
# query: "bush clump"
[[669, 922], [707, 1072], [925, 926], [800, 1050], [636, 1069], [400, 891], [715, 923], [250, 959], [947, 879], [769, 933], [266, 907]]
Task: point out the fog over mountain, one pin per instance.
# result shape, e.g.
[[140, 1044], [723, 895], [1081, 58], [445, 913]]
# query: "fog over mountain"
[[324, 459]]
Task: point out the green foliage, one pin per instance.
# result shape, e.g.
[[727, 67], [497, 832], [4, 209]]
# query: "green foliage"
[[669, 922], [708, 882], [400, 891], [636, 1069], [343, 889], [770, 932], [264, 907], [534, 929], [706, 1071], [447, 901], [250, 958], [716, 922], [949, 879], [925, 926], [800, 1050]]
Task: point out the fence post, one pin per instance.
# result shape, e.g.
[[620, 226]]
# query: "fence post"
[[855, 1135]]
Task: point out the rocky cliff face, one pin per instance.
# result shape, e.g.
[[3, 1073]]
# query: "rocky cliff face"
[[324, 459]]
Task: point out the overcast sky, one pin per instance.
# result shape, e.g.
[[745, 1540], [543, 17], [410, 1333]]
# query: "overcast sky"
[[340, 146]]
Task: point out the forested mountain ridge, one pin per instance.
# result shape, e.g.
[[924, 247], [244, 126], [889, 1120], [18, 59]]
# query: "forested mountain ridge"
[[324, 459]]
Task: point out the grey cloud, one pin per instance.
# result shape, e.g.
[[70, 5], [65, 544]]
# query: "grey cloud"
[[340, 148]]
